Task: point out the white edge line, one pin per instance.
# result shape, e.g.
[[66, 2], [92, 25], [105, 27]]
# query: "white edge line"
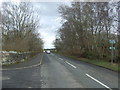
[[98, 82], [70, 64], [26, 67]]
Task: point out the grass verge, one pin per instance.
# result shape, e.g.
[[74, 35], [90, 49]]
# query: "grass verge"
[[102, 63]]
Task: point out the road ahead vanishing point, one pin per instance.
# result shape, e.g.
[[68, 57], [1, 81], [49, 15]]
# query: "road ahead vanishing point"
[[57, 71]]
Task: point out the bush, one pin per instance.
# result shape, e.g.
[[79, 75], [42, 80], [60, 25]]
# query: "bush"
[[90, 55], [118, 59]]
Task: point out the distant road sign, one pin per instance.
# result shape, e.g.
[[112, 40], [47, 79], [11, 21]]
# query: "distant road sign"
[[112, 48], [112, 41]]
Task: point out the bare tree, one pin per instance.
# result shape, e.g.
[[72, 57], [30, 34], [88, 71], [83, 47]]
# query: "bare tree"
[[88, 28], [19, 25]]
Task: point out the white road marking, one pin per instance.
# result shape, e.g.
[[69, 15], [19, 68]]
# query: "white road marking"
[[70, 64], [60, 58], [98, 81], [29, 87]]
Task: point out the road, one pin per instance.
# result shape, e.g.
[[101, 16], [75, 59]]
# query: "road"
[[23, 75], [57, 71]]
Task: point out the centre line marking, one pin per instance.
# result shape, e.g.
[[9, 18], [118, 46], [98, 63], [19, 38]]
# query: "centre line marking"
[[70, 64], [98, 81]]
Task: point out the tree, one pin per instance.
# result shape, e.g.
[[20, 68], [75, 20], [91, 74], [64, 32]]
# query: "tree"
[[19, 27], [87, 29]]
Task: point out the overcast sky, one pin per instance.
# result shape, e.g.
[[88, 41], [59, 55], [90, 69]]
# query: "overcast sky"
[[50, 21]]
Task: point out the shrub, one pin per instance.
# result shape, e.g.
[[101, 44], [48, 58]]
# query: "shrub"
[[118, 59], [90, 55]]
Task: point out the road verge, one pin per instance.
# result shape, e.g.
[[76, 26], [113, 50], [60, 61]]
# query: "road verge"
[[100, 63]]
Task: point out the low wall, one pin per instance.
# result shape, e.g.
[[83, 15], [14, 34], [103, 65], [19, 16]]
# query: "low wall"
[[14, 57]]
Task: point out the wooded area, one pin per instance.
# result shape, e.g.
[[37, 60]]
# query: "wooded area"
[[87, 29], [19, 28]]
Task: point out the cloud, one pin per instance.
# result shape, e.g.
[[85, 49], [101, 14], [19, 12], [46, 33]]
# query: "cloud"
[[58, 19], [48, 39], [50, 21]]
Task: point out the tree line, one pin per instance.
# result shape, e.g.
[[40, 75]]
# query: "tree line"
[[19, 27], [87, 29]]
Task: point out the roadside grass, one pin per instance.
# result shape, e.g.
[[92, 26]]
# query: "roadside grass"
[[102, 63], [114, 66]]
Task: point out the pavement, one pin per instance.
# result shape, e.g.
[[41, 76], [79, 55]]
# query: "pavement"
[[57, 71]]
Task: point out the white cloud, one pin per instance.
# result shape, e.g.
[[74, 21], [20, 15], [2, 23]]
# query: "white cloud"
[[1, 3], [58, 19], [50, 21], [48, 37], [48, 40]]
